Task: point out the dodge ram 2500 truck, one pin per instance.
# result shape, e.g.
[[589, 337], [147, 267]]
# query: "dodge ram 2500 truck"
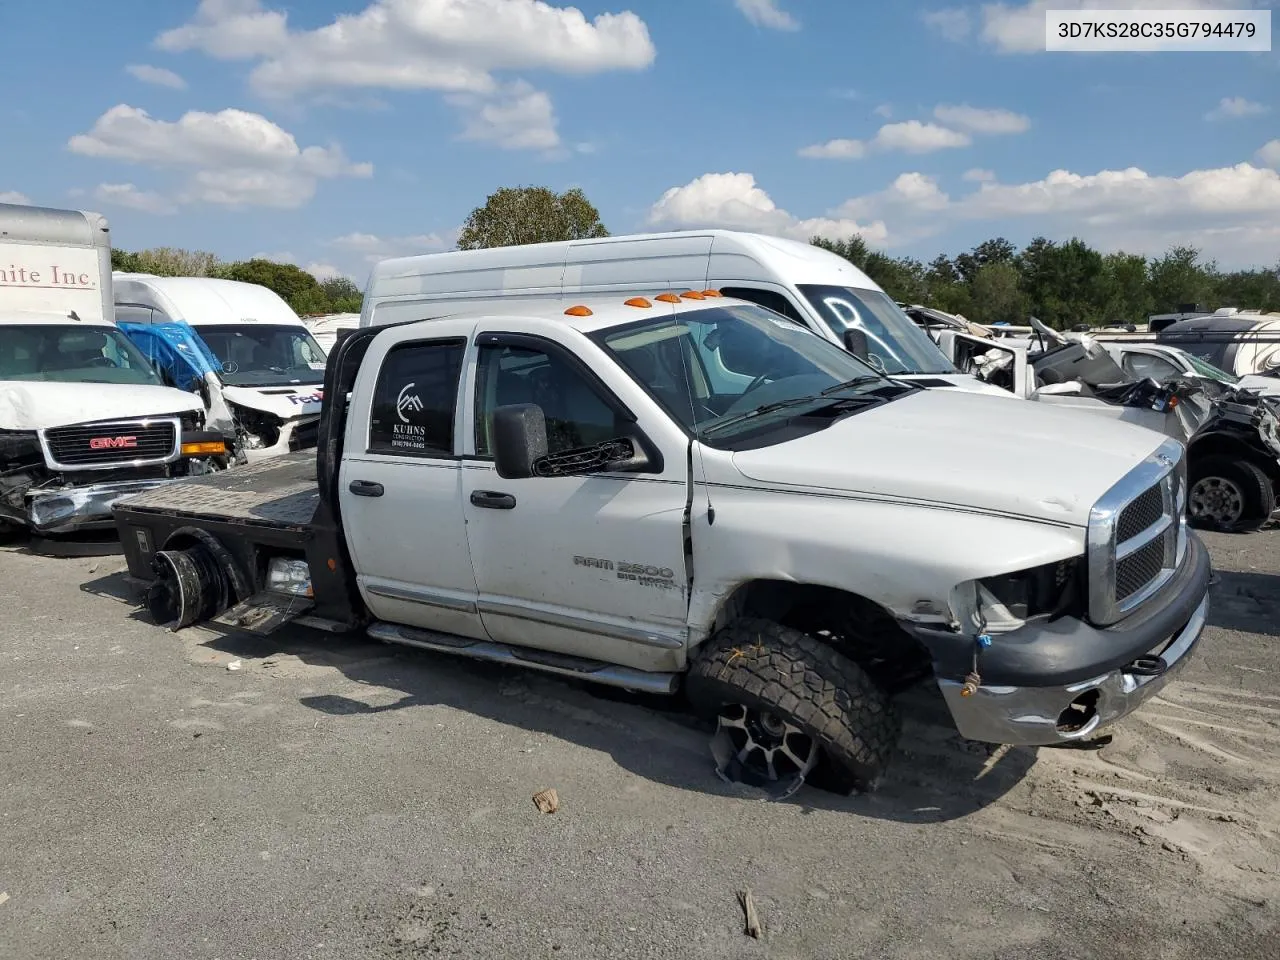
[[692, 489]]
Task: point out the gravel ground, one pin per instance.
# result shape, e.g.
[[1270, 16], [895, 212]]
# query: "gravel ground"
[[331, 799]]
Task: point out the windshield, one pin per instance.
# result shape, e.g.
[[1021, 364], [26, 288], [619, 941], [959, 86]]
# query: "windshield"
[[727, 370], [1206, 369], [895, 344], [72, 353], [254, 355]]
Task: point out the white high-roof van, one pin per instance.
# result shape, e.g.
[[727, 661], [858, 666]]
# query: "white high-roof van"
[[807, 284]]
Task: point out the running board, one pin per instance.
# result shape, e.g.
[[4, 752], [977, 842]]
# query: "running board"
[[557, 663]]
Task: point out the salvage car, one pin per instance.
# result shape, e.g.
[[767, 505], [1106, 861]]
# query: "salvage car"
[[691, 491], [84, 419]]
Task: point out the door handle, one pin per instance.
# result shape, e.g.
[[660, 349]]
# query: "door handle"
[[365, 488], [493, 500]]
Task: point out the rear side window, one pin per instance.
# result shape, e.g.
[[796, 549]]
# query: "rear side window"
[[768, 299], [415, 399]]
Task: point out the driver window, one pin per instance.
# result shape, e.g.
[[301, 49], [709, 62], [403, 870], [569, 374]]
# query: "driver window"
[[1144, 365], [575, 413]]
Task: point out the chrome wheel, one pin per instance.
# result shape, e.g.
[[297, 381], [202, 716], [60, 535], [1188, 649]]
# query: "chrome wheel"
[[767, 745], [1217, 500]]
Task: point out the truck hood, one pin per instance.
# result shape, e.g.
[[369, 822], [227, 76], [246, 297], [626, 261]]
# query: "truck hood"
[[287, 403], [38, 405], [965, 450], [960, 381]]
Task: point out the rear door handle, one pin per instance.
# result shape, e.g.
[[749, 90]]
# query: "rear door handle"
[[492, 500], [365, 488]]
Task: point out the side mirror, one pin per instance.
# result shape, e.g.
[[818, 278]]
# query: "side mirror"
[[519, 438], [855, 341]]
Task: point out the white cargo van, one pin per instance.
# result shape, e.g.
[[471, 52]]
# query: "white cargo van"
[[272, 369], [804, 283], [84, 418]]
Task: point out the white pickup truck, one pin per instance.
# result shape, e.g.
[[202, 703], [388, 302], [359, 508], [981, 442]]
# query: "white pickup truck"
[[696, 490]]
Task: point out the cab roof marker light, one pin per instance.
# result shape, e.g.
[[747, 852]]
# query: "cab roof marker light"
[[637, 302], [692, 295], [578, 311], [667, 298], [712, 293]]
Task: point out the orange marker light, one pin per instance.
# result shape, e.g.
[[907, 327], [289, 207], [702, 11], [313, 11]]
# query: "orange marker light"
[[637, 302], [712, 293], [578, 311], [667, 298], [692, 295]]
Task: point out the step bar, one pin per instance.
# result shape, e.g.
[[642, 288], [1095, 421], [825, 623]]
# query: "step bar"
[[558, 663]]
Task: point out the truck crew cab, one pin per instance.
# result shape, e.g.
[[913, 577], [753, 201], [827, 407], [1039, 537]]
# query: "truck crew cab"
[[689, 488]]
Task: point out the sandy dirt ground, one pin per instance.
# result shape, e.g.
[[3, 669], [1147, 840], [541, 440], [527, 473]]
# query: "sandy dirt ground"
[[339, 799]]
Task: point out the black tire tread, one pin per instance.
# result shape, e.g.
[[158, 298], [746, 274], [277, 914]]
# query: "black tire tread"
[[799, 675], [1260, 497]]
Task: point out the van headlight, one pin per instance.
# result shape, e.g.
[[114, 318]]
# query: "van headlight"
[[1006, 602], [289, 577]]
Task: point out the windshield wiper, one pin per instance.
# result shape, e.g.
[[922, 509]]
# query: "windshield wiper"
[[783, 404], [855, 382]]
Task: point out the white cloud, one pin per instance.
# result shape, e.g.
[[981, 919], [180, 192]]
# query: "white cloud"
[[238, 158], [325, 271], [953, 23], [1236, 108], [519, 118], [884, 110], [766, 13], [1269, 154], [127, 195], [371, 248], [835, 150], [912, 136], [734, 200], [447, 45], [1019, 27], [979, 175], [977, 120], [13, 196], [158, 76]]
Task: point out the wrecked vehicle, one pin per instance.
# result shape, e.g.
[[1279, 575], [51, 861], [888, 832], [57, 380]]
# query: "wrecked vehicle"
[[269, 367], [700, 493], [84, 419], [1233, 447]]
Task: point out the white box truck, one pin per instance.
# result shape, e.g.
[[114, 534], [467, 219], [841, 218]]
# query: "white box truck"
[[84, 418]]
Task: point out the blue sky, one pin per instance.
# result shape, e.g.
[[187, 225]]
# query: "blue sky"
[[336, 132]]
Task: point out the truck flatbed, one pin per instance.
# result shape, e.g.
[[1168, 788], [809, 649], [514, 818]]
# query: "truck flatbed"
[[280, 493]]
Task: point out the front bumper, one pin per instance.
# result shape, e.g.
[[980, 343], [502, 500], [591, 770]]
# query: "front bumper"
[[1057, 682], [73, 509]]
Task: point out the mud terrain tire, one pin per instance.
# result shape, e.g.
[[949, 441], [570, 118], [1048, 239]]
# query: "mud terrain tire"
[[772, 668]]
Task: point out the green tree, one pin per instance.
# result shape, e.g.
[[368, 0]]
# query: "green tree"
[[1063, 282], [1178, 278], [997, 294], [125, 261], [854, 249], [341, 295], [1246, 289], [176, 262], [998, 250], [515, 215], [1125, 297]]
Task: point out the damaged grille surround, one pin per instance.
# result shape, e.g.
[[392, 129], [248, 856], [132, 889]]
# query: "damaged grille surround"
[[1137, 534]]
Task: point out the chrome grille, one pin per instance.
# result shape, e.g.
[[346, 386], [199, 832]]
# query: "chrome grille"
[[1137, 534], [111, 444], [1146, 510]]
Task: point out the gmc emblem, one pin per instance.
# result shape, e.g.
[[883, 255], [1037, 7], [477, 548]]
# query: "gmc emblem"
[[112, 443]]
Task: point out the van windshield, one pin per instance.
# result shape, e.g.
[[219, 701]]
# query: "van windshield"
[[895, 345], [72, 353], [263, 355], [727, 371]]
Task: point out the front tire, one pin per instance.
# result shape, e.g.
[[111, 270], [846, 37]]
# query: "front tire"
[[769, 680], [1229, 495]]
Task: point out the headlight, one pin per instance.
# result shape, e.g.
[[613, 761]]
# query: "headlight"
[[19, 448], [289, 577], [1007, 602]]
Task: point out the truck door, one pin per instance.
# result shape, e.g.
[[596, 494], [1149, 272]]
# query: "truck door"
[[400, 484], [591, 566]]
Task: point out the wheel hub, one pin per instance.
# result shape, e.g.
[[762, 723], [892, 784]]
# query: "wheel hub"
[[1217, 499], [765, 747]]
